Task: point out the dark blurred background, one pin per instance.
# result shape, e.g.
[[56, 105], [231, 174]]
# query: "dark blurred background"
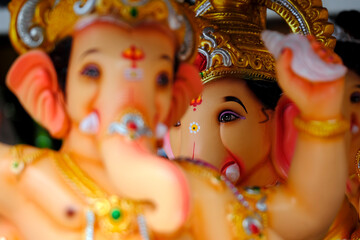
[[15, 124]]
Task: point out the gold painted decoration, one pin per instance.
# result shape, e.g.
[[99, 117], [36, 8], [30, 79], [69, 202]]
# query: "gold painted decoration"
[[231, 45], [306, 17], [115, 217], [43, 23], [247, 215]]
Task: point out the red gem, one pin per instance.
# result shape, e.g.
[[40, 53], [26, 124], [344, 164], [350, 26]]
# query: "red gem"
[[194, 109], [200, 62], [132, 126], [254, 229]]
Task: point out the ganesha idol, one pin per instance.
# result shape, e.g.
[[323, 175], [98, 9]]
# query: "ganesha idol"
[[233, 124], [238, 128], [108, 77]]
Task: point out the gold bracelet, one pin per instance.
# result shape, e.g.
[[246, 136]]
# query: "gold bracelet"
[[324, 129]]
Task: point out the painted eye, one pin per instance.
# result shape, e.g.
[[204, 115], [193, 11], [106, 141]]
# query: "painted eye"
[[228, 116], [162, 80], [91, 71], [355, 97], [177, 124]]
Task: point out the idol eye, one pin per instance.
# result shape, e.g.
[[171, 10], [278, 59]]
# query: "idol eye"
[[177, 124], [355, 97], [162, 80], [228, 116], [91, 71]]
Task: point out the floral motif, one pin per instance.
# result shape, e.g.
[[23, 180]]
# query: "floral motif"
[[194, 127]]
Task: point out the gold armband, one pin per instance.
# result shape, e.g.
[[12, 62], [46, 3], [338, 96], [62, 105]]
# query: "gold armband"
[[324, 129]]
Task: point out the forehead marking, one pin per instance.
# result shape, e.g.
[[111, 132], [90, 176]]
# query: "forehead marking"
[[134, 54], [196, 102]]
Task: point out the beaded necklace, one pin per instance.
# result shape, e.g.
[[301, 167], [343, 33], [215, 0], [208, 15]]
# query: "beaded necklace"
[[247, 214]]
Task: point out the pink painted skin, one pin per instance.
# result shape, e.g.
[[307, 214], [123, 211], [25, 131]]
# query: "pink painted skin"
[[32, 75]]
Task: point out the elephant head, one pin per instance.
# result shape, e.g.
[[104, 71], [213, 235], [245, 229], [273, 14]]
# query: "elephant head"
[[122, 90]]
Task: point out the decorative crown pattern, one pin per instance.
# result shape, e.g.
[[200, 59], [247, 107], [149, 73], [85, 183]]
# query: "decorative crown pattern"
[[230, 44], [43, 23]]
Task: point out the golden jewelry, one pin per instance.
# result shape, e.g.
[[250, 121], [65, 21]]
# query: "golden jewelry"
[[248, 214], [357, 162], [325, 129], [20, 160], [117, 216], [43, 23], [231, 45]]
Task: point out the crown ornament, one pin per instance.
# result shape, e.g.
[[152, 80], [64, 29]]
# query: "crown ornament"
[[43, 23], [230, 44]]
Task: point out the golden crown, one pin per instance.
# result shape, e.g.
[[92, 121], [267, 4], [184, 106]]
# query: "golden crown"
[[43, 23], [231, 45]]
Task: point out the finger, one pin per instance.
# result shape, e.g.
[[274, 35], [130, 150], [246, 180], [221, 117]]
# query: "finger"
[[53, 196], [290, 83]]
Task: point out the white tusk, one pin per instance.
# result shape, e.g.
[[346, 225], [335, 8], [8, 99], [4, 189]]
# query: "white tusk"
[[161, 130], [355, 129], [233, 172], [90, 124]]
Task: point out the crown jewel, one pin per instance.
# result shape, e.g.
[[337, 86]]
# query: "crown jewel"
[[230, 44]]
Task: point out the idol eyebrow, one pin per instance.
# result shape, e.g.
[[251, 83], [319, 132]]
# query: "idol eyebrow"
[[235, 99], [89, 51], [166, 57]]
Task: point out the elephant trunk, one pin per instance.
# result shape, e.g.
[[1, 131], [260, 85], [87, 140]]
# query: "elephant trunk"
[[140, 175]]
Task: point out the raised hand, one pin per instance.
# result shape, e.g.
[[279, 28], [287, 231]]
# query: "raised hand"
[[319, 159], [310, 74]]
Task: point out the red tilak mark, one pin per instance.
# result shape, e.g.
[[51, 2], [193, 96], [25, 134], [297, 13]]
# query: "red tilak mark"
[[193, 155], [195, 102], [131, 95], [134, 54], [194, 109]]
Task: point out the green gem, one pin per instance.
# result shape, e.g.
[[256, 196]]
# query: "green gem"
[[134, 12], [115, 214], [15, 164], [202, 74]]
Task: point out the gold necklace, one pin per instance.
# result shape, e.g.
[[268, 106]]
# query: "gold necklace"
[[118, 216], [248, 213]]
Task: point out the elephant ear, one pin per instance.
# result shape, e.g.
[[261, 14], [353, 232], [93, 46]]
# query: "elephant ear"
[[32, 78], [187, 85], [285, 135]]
